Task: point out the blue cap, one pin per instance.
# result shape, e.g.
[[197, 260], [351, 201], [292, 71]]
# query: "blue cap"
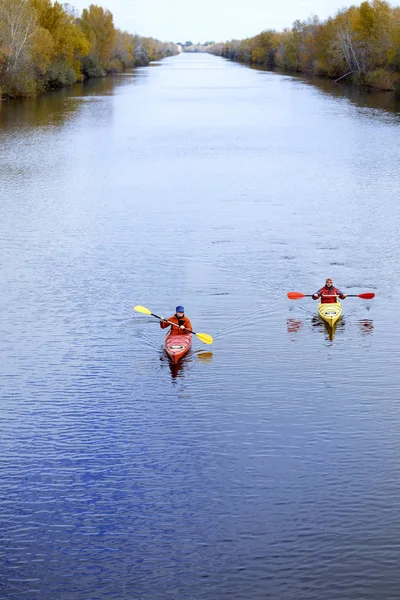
[[179, 309]]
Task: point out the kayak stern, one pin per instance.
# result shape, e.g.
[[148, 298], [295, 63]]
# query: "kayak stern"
[[176, 346]]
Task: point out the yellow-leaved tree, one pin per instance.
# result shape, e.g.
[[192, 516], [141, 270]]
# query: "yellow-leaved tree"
[[59, 45], [98, 26]]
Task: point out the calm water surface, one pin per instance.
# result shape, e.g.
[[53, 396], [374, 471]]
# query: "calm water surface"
[[264, 466]]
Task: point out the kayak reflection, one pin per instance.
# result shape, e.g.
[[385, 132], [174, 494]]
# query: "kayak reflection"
[[366, 327], [177, 369], [330, 330], [295, 325]]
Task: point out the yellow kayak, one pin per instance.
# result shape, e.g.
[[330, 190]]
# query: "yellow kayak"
[[330, 313]]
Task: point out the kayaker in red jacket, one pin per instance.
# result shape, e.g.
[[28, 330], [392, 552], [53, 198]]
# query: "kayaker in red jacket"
[[328, 293], [182, 323]]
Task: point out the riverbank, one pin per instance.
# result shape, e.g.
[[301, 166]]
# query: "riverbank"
[[359, 44], [54, 46], [126, 69]]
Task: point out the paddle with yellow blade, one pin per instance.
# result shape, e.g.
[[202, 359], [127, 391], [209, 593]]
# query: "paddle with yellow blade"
[[204, 337], [298, 295]]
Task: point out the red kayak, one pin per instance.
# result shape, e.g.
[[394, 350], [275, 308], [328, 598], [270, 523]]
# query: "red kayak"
[[177, 346]]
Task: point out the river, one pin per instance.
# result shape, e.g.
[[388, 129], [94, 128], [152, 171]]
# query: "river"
[[263, 466]]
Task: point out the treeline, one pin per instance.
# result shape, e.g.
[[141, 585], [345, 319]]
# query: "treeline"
[[199, 47], [45, 45], [361, 43]]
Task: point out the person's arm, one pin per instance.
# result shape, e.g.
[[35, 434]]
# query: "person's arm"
[[341, 295], [188, 324], [317, 294], [164, 324]]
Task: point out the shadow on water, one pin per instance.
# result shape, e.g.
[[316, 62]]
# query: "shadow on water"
[[57, 107]]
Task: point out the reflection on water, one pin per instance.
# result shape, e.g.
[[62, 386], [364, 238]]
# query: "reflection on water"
[[357, 95], [362, 97], [204, 357], [177, 369], [330, 332], [366, 327], [294, 325], [56, 108]]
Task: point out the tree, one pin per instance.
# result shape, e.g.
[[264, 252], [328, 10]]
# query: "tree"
[[98, 26], [59, 44], [18, 26], [124, 48], [265, 49]]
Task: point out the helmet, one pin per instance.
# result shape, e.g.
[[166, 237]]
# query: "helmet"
[[179, 309]]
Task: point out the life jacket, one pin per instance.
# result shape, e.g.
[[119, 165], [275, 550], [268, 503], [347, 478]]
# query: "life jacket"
[[329, 295], [175, 329]]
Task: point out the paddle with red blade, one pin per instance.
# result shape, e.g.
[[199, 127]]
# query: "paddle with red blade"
[[298, 295]]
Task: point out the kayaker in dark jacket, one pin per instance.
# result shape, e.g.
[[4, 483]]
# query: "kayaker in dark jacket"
[[182, 323], [328, 293]]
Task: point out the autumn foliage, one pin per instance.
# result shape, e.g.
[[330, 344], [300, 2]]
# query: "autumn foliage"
[[45, 44], [362, 43]]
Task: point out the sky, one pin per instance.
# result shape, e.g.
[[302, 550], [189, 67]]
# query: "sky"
[[211, 20]]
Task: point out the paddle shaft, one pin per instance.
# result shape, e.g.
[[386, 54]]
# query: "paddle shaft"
[[298, 295], [171, 323], [203, 337]]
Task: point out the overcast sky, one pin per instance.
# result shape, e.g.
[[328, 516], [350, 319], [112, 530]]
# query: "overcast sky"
[[217, 20]]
